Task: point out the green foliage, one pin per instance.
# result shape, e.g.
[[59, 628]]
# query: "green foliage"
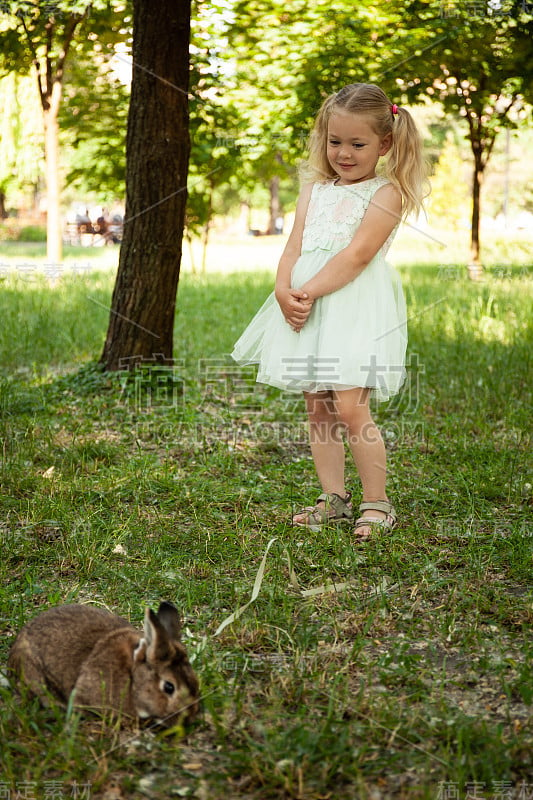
[[124, 489], [235, 141], [259, 71], [21, 148], [32, 233], [478, 66], [448, 203], [300, 53], [213, 160], [28, 27], [93, 120], [44, 39]]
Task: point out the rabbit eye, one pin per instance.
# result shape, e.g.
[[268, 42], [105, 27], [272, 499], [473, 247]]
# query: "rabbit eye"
[[168, 687]]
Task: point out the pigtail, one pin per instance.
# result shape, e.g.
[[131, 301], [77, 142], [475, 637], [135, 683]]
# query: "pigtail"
[[405, 165]]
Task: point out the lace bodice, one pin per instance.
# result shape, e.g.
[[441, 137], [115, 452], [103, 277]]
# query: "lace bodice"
[[335, 212], [350, 330]]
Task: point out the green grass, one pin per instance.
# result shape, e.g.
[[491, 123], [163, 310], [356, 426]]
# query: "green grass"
[[414, 681]]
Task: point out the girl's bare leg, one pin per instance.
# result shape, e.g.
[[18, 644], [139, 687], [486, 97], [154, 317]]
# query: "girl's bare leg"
[[366, 445], [330, 415], [327, 446]]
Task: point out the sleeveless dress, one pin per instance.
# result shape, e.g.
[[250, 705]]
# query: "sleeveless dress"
[[353, 337]]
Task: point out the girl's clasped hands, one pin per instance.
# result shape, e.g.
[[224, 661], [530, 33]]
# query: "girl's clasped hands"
[[295, 305]]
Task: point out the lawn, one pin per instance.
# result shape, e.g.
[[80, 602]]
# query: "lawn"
[[401, 669]]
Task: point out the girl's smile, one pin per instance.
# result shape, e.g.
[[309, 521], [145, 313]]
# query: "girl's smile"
[[353, 148]]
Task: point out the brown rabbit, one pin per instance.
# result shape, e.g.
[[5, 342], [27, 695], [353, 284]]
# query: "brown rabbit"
[[107, 663]]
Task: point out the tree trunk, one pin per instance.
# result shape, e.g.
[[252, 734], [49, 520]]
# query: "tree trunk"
[[475, 268], [245, 218], [50, 87], [477, 179], [207, 228], [157, 149], [191, 253], [481, 143], [275, 207], [54, 239]]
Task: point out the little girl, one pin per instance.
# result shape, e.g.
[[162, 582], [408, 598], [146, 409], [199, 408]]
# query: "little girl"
[[335, 327]]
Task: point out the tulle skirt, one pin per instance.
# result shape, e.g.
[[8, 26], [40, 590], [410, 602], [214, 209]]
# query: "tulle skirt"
[[354, 337]]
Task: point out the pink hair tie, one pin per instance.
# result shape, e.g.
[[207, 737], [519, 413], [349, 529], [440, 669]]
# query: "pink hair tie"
[[394, 109]]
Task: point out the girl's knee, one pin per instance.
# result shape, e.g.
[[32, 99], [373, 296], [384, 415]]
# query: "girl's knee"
[[359, 425], [354, 418], [320, 409]]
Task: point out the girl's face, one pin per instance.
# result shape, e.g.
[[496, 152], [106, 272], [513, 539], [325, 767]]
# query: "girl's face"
[[353, 148]]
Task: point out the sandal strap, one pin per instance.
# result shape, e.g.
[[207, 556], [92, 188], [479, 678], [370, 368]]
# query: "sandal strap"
[[341, 506], [379, 505], [315, 515], [319, 515], [384, 523]]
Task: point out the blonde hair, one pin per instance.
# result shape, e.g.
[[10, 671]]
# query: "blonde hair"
[[405, 166]]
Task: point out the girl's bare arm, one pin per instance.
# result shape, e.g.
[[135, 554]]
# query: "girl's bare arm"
[[294, 303], [382, 215]]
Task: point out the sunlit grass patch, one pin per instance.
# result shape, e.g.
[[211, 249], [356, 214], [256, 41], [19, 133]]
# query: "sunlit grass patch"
[[384, 671]]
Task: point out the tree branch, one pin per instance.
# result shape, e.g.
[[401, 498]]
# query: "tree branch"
[[68, 36], [36, 63], [49, 28]]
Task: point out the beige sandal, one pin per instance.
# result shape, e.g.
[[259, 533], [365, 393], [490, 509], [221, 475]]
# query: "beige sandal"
[[386, 524], [335, 509]]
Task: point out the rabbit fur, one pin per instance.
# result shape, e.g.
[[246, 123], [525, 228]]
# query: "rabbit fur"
[[107, 663]]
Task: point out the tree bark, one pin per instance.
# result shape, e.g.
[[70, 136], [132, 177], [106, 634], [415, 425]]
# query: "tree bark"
[[157, 152], [245, 218], [476, 142], [54, 238], [275, 207], [482, 143], [207, 226], [476, 214]]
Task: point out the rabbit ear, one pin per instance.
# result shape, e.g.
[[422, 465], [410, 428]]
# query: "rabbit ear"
[[169, 617], [157, 635]]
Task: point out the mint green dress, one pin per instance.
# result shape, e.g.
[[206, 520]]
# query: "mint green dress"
[[355, 336]]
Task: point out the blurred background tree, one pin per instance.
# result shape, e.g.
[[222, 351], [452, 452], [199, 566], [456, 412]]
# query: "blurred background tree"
[[40, 37], [21, 142], [476, 60]]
